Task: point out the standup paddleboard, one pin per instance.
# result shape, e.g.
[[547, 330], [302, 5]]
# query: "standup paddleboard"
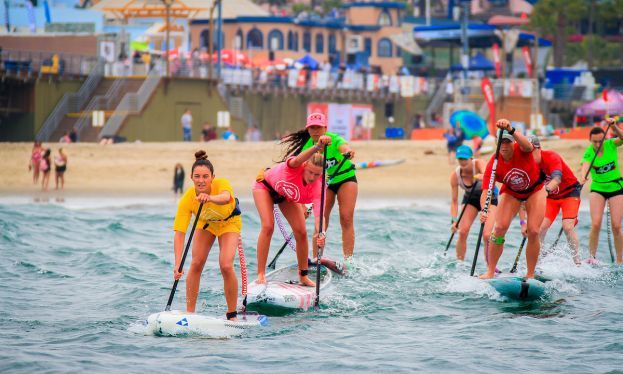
[[376, 164], [179, 323], [517, 288], [282, 289]]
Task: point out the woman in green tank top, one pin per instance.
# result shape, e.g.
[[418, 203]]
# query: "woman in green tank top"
[[341, 181], [606, 186]]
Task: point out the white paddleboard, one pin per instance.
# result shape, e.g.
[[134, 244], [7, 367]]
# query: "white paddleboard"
[[179, 323], [282, 289]]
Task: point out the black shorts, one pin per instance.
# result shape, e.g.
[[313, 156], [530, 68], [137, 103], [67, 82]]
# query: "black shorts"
[[607, 195], [336, 186], [475, 200], [61, 169]]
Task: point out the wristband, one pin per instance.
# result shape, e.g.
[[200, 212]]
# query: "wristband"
[[318, 147], [453, 219], [512, 132], [522, 222]]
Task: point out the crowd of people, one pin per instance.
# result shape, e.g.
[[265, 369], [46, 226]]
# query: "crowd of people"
[[289, 184], [41, 164], [540, 182]]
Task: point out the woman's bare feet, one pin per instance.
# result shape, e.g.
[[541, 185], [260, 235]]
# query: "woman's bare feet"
[[487, 275], [305, 281]]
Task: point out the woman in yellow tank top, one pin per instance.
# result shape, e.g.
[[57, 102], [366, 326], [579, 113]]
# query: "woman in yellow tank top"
[[220, 218]]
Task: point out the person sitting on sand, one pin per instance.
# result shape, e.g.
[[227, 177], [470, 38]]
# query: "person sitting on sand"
[[296, 181], [220, 218]]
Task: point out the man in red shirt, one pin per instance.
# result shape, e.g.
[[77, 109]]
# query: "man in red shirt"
[[522, 181], [563, 193]]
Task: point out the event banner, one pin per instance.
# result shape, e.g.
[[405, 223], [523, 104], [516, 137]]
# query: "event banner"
[[487, 92], [346, 120]]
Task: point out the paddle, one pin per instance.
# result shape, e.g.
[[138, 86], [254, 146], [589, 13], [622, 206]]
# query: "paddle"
[[321, 225], [523, 242], [460, 216], [609, 230], [590, 166], [485, 209], [181, 267], [273, 263]]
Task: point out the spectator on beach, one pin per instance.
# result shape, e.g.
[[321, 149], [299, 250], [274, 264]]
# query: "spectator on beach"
[[253, 134], [178, 179], [187, 124], [229, 135], [208, 133], [73, 135], [451, 144], [35, 161], [65, 138], [44, 167], [460, 136], [60, 166]]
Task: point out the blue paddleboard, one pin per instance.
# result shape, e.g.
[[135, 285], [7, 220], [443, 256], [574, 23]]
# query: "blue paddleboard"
[[518, 288]]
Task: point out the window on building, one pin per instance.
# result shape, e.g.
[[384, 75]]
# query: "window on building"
[[205, 38], [255, 39], [239, 41], [332, 47], [385, 19], [290, 40], [319, 43], [398, 51], [296, 41], [275, 40], [384, 48], [367, 45], [307, 41]]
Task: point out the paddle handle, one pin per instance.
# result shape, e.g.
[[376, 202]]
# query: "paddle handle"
[[181, 267], [321, 223]]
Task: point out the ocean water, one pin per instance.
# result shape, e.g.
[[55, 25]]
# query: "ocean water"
[[78, 275]]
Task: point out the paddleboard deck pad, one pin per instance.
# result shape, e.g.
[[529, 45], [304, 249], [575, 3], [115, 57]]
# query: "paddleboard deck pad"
[[282, 289], [517, 288], [179, 323]]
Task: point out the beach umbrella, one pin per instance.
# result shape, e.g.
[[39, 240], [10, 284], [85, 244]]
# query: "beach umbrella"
[[471, 123]]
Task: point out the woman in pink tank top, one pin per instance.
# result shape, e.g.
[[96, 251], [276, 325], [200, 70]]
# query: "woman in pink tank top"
[[290, 184]]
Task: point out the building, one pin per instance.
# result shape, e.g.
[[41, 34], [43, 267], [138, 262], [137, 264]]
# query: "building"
[[360, 34]]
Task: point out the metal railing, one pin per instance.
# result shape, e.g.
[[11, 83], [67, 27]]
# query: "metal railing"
[[16, 62], [99, 102], [132, 103], [71, 102], [244, 112], [437, 101]]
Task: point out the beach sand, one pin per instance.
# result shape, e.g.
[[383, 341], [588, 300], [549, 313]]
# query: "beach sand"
[[147, 168]]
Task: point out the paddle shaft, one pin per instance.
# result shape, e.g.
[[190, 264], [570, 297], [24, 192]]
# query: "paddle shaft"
[[181, 267], [471, 192], [523, 242], [485, 209], [273, 263], [609, 230], [321, 224]]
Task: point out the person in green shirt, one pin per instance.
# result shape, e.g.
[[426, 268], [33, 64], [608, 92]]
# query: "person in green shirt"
[[341, 184], [606, 185]]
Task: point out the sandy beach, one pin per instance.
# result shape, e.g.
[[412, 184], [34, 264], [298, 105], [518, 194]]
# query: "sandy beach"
[[147, 168]]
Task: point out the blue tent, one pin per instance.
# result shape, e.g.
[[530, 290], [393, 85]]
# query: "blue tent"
[[477, 62], [309, 61]]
